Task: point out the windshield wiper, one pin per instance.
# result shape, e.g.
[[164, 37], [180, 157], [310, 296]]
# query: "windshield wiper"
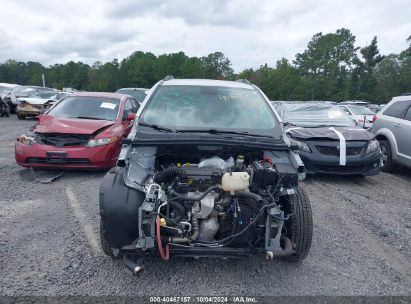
[[217, 131], [94, 118], [156, 127], [318, 126]]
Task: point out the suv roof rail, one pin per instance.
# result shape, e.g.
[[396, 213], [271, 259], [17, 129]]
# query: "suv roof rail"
[[168, 77], [244, 81], [405, 94]]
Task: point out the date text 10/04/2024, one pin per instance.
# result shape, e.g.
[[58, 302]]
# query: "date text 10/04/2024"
[[203, 299]]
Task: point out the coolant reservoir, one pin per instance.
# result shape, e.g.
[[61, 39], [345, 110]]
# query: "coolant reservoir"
[[235, 181]]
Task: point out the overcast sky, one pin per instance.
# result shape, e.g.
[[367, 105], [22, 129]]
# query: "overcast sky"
[[250, 34]]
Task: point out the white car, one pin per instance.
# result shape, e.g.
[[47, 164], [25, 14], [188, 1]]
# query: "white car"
[[363, 116], [25, 91], [37, 103], [6, 88]]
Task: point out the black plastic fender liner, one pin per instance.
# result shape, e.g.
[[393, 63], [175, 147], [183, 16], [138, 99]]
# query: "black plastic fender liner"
[[119, 209]]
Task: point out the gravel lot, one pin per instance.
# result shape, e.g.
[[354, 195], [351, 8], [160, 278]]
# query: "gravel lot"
[[49, 241]]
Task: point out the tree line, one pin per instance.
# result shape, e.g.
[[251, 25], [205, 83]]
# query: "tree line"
[[331, 67]]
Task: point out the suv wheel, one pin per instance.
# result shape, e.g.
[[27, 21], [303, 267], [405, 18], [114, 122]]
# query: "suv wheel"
[[111, 252], [300, 225], [21, 117], [386, 163]]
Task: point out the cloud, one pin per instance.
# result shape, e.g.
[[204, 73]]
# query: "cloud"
[[201, 12], [249, 33]]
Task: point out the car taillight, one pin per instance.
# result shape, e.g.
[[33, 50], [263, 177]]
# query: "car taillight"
[[374, 118]]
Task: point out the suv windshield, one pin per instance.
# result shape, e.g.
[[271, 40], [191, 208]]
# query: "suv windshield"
[[315, 115], [361, 110], [87, 108], [206, 107], [138, 94]]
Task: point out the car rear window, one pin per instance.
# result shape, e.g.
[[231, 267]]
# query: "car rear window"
[[139, 95], [44, 94], [308, 115], [360, 110], [397, 109], [23, 90]]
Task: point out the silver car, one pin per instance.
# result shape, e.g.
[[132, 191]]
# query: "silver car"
[[392, 129], [363, 116]]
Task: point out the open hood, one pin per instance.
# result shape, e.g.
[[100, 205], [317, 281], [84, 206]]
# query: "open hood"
[[349, 133], [51, 124], [34, 101]]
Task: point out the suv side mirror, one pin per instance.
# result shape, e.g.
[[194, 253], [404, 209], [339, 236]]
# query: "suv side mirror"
[[131, 116]]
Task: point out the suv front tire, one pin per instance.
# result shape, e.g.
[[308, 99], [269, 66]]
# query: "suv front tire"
[[387, 163]]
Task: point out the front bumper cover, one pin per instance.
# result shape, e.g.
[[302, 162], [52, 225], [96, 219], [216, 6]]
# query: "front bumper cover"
[[28, 110], [102, 157], [364, 164]]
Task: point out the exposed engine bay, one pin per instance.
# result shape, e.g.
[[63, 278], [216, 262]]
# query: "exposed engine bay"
[[206, 171], [199, 204]]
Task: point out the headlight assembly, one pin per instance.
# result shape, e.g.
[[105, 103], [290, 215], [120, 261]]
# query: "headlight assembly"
[[26, 140], [373, 145], [302, 146], [102, 141]]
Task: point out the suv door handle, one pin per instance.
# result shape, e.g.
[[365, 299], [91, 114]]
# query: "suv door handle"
[[397, 124]]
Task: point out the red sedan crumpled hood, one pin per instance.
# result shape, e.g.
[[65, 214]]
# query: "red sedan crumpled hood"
[[51, 124]]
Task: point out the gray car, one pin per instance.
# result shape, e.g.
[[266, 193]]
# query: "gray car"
[[392, 129], [138, 93]]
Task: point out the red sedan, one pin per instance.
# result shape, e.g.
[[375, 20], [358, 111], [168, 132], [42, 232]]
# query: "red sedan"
[[83, 130]]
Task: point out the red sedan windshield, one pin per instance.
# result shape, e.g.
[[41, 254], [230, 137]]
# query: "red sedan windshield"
[[86, 107]]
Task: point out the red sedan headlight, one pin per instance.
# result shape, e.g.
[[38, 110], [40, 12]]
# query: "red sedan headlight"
[[25, 140], [102, 141]]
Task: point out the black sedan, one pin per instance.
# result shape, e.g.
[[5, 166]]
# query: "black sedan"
[[328, 140]]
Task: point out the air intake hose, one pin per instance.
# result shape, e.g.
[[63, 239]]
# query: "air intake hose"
[[167, 174]]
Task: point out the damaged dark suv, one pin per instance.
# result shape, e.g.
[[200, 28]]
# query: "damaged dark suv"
[[205, 173]]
